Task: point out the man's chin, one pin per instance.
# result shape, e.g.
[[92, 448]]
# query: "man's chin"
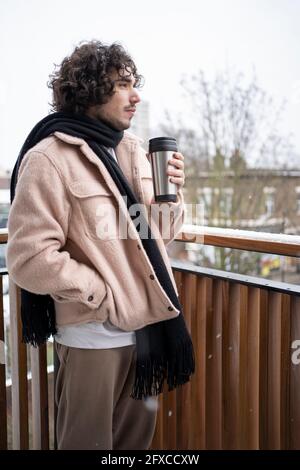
[[118, 126], [121, 125], [124, 126]]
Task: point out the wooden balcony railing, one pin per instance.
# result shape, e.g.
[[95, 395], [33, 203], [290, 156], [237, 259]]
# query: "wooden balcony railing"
[[245, 392]]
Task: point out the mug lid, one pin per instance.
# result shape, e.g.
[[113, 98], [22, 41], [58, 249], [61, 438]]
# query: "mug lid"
[[156, 139], [157, 144]]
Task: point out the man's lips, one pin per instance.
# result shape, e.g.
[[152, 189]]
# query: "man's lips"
[[131, 111]]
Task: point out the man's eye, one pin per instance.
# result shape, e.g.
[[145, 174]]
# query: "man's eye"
[[123, 84]]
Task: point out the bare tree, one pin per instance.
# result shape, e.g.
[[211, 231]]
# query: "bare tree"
[[229, 128], [228, 115]]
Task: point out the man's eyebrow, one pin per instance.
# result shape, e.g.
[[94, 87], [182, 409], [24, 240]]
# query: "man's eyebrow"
[[126, 79]]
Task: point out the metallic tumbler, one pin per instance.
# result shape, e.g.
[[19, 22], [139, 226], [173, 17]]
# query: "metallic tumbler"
[[161, 150]]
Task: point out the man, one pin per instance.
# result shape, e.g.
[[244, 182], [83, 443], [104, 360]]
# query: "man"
[[109, 299]]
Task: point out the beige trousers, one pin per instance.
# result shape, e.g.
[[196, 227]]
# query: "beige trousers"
[[92, 394]]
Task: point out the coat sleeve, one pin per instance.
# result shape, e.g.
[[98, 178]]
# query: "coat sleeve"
[[37, 232]]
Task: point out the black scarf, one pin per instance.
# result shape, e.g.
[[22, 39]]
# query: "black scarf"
[[164, 349]]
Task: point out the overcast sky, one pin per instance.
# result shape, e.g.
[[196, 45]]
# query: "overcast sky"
[[166, 38]]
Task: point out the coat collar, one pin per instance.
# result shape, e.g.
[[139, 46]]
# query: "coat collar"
[[70, 139]]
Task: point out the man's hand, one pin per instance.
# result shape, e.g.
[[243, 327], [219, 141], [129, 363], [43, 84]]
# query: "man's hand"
[[176, 171]]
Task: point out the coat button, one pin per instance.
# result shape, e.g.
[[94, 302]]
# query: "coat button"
[[151, 277], [171, 309], [91, 298]]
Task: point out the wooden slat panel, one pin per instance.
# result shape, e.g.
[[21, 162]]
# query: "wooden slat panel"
[[178, 280], [243, 412], [295, 375], [263, 370], [56, 368], [274, 361], [19, 373], [39, 383], [3, 404], [198, 438], [188, 293], [172, 427], [235, 401], [214, 420], [226, 351], [230, 374], [208, 399], [285, 365], [253, 356], [192, 386]]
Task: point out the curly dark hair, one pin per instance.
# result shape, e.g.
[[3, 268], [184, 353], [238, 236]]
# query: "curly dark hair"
[[83, 79]]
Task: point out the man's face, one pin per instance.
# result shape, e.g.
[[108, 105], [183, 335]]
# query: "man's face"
[[120, 108]]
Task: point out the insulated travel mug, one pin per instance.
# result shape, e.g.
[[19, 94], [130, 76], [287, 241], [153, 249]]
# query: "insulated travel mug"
[[161, 150]]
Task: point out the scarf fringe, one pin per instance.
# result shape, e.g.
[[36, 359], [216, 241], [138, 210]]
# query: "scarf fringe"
[[182, 365], [152, 372]]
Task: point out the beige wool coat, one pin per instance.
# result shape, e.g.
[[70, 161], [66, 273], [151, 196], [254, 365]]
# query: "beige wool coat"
[[55, 245]]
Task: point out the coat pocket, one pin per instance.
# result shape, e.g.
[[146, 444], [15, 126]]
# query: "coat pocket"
[[97, 208]]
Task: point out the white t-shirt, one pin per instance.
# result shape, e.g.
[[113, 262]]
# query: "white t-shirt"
[[94, 335]]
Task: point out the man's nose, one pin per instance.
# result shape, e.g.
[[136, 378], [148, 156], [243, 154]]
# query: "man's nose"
[[135, 97]]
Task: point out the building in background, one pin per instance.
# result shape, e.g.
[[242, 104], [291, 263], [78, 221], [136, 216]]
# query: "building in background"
[[266, 200]]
